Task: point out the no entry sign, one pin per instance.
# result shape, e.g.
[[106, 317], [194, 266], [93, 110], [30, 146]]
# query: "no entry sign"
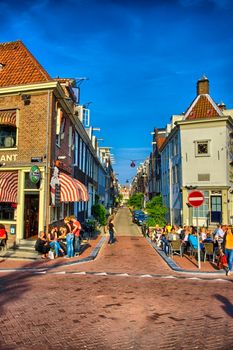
[[196, 198]]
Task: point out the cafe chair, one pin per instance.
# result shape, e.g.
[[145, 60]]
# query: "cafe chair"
[[3, 244], [176, 247], [193, 251], [209, 251]]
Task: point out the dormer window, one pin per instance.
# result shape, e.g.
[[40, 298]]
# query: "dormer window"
[[2, 66]]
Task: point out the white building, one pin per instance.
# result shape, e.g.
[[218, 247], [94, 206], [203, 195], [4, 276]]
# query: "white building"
[[197, 155]]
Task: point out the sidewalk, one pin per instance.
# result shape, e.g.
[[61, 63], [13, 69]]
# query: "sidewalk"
[[186, 263], [88, 254]]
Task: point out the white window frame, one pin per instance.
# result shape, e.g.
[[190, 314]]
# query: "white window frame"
[[198, 142]]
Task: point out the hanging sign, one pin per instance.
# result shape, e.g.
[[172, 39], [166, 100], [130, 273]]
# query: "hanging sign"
[[55, 188], [34, 174]]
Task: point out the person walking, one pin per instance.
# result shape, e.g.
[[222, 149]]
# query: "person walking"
[[228, 248], [111, 230]]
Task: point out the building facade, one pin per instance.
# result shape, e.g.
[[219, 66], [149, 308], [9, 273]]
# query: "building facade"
[[49, 167], [197, 154]]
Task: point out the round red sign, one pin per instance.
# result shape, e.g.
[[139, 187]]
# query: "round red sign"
[[196, 198]]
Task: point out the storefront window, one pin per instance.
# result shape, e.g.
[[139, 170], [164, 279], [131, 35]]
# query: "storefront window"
[[7, 136], [7, 211]]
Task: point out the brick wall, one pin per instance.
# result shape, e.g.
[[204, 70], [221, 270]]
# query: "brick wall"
[[31, 127]]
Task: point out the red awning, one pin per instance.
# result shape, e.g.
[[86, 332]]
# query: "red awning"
[[8, 117], [72, 190], [8, 186]]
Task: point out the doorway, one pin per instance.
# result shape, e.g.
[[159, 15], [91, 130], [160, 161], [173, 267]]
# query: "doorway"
[[216, 209], [31, 215]]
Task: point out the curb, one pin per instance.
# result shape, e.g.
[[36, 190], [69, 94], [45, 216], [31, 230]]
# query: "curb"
[[177, 268], [90, 257]]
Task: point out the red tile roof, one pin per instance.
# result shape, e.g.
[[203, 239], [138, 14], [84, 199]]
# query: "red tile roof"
[[19, 66], [160, 141], [203, 107]]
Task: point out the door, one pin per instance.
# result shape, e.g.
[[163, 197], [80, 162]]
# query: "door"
[[216, 209], [31, 215]]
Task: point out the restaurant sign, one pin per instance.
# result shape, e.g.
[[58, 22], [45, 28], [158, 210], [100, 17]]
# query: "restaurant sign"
[[34, 174]]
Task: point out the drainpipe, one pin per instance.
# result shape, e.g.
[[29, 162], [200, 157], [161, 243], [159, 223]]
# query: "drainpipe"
[[170, 185], [47, 166]]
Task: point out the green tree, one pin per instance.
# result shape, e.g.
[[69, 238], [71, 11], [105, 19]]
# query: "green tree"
[[136, 200], [156, 211], [99, 213]]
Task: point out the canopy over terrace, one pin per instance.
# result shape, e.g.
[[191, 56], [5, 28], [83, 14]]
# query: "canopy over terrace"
[[71, 189], [8, 186]]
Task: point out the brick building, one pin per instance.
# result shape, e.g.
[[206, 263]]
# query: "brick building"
[[43, 146]]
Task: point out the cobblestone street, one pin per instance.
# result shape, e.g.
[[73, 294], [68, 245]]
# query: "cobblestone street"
[[74, 307]]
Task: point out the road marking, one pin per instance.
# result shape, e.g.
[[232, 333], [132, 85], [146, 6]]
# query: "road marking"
[[157, 276], [117, 274]]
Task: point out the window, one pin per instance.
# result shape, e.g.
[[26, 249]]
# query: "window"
[[202, 148], [60, 126], [86, 118], [7, 211], [203, 210], [8, 136]]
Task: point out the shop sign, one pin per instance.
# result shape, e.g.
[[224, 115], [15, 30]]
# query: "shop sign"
[[57, 195], [34, 174], [8, 158]]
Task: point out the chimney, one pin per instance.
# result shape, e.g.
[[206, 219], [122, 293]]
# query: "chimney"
[[222, 106], [203, 86]]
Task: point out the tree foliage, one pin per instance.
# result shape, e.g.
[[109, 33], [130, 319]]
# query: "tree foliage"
[[99, 213], [156, 211], [136, 200]]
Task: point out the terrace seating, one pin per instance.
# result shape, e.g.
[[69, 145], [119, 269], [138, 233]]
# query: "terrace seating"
[[176, 247], [209, 251]]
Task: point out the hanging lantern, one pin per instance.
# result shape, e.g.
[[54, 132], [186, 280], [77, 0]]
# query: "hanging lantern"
[[132, 164]]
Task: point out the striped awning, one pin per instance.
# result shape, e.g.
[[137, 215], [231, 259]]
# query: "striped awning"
[[8, 117], [8, 186], [72, 190]]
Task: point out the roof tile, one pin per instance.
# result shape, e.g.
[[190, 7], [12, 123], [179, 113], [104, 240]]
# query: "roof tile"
[[20, 66], [202, 109]]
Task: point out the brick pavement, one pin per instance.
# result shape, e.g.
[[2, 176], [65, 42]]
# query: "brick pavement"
[[99, 312], [104, 312]]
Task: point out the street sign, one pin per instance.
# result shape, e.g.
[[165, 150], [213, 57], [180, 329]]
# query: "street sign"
[[196, 198]]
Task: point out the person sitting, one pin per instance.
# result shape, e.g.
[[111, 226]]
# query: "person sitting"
[[208, 238], [3, 235], [53, 243], [185, 242], [173, 236], [42, 245], [203, 233], [165, 243], [192, 239], [61, 238]]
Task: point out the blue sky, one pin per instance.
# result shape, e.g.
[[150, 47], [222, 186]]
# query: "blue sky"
[[143, 59]]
